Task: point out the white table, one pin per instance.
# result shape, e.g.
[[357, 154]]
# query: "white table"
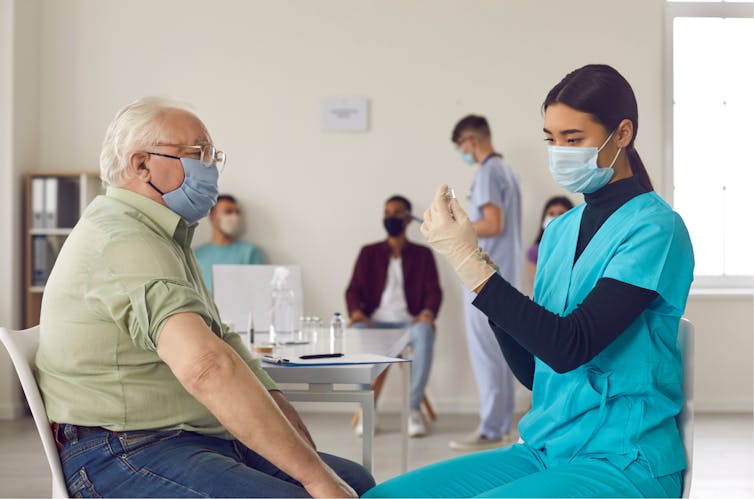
[[320, 381]]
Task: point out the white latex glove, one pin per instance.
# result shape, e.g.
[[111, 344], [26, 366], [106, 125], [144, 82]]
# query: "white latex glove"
[[449, 232]]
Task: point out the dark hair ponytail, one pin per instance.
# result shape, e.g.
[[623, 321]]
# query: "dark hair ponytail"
[[601, 91]]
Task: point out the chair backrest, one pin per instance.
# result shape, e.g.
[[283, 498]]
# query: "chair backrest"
[[685, 418], [22, 347], [241, 289]]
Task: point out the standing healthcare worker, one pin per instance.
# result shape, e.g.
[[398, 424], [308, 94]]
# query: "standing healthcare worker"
[[495, 212], [599, 342]]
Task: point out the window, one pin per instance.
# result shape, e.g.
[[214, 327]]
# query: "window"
[[710, 87]]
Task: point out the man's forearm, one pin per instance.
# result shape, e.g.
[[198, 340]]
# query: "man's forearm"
[[244, 407], [216, 375]]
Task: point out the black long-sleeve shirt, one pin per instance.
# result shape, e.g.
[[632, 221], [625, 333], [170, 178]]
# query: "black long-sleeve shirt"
[[524, 328]]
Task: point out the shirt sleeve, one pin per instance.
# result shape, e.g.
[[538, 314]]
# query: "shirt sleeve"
[[149, 306], [489, 188], [563, 343], [657, 255], [139, 284], [255, 255], [432, 291], [518, 358], [354, 298]]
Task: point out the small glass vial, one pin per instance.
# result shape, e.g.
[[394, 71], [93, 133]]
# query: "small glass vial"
[[336, 333]]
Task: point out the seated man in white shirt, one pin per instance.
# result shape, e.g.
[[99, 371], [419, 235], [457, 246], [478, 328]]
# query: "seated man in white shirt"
[[395, 284]]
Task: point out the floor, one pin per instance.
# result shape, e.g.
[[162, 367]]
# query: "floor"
[[723, 451]]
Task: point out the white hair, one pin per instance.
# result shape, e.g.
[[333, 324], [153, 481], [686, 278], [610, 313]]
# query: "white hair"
[[134, 127]]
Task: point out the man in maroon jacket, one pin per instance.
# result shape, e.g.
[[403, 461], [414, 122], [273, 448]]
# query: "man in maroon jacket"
[[395, 284]]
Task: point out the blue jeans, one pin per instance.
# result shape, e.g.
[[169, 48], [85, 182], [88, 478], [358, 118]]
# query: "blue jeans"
[[180, 463], [519, 471], [423, 343]]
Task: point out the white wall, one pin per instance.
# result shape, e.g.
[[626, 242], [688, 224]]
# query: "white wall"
[[256, 71], [19, 112]]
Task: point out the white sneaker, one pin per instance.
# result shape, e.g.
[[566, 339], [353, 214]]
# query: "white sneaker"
[[475, 442], [416, 426]]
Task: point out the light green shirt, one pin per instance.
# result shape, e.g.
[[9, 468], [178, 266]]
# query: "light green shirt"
[[124, 270]]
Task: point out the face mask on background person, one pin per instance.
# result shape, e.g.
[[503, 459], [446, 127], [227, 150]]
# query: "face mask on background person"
[[229, 224], [575, 168], [193, 199], [394, 225], [468, 158], [547, 220]]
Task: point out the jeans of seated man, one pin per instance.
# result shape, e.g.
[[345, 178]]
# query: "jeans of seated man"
[[423, 342], [180, 463]]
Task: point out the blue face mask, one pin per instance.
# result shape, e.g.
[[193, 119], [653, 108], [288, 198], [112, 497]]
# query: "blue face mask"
[[575, 168], [467, 157], [193, 199]]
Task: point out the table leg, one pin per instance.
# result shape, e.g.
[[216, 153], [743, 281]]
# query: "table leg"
[[406, 377], [363, 396], [367, 412]]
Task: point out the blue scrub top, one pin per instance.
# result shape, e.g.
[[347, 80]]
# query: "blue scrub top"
[[235, 253], [622, 404]]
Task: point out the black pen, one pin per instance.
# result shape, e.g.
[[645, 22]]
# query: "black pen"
[[321, 356]]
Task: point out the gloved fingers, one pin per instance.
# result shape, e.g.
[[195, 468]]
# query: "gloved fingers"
[[456, 211], [439, 206]]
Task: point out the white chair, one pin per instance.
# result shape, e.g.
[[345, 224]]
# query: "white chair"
[[243, 289], [22, 347], [685, 418]]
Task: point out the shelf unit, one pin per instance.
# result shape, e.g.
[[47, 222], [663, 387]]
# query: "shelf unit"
[[53, 202]]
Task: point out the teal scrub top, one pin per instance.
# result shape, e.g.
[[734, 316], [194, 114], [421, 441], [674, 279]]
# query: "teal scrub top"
[[622, 404], [235, 253]]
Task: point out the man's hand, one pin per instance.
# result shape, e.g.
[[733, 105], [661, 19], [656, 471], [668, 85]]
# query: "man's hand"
[[425, 316], [449, 232], [292, 416], [359, 316], [330, 485]]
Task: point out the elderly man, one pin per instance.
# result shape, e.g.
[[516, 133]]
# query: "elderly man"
[[148, 394]]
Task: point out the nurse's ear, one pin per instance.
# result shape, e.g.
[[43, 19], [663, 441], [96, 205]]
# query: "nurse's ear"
[[624, 133]]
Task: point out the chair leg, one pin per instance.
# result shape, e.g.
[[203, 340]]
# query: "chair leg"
[[428, 408], [377, 389]]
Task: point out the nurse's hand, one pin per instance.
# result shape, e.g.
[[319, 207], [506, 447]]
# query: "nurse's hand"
[[449, 232]]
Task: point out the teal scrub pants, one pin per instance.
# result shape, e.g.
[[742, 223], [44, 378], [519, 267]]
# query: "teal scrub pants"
[[518, 471]]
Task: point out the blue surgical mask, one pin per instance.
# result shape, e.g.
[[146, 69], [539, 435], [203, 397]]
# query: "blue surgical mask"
[[193, 199], [575, 168], [467, 157]]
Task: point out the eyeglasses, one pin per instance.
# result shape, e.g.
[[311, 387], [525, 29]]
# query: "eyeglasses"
[[207, 154]]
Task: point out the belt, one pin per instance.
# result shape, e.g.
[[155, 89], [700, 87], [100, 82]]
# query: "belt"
[[81, 431]]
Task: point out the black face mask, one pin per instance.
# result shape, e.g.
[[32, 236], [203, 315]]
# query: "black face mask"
[[394, 225]]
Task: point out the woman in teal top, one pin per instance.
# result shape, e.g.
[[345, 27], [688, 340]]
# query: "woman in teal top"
[[598, 343]]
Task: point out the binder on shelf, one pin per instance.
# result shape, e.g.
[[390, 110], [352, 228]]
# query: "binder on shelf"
[[61, 202], [37, 203], [39, 261], [51, 203], [45, 250]]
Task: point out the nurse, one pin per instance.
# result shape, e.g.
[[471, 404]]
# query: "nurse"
[[598, 345]]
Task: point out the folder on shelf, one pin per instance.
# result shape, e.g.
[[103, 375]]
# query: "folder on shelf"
[[61, 202], [51, 203], [37, 202], [40, 269]]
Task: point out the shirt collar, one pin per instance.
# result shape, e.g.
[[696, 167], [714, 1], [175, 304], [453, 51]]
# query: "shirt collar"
[[166, 219]]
